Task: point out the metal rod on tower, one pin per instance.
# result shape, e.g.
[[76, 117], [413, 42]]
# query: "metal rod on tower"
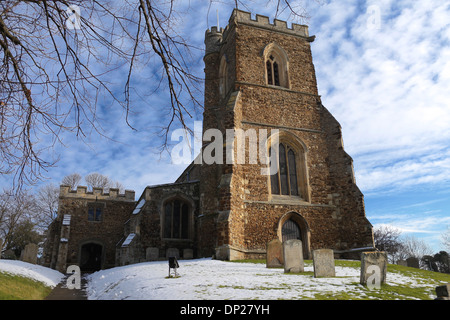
[[217, 12]]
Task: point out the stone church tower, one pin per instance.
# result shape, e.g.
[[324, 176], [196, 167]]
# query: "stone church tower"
[[260, 75]]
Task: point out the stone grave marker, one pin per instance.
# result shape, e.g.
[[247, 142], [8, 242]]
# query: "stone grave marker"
[[402, 263], [152, 254], [274, 256], [293, 256], [443, 292], [29, 254], [173, 252], [188, 253], [412, 262], [373, 268], [323, 262]]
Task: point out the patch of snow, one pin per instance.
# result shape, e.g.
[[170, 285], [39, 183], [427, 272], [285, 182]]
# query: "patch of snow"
[[128, 240], [45, 275], [66, 220], [139, 206], [207, 279]]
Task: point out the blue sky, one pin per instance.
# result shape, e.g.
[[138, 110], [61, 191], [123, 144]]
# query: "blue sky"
[[383, 70], [388, 87]]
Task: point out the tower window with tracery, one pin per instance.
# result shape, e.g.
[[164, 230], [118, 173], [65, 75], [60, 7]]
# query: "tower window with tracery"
[[273, 76], [276, 66], [285, 180]]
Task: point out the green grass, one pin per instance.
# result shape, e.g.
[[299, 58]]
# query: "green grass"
[[386, 292], [13, 287], [250, 261]]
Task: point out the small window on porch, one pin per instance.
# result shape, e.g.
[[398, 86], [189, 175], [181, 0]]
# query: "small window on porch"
[[95, 212]]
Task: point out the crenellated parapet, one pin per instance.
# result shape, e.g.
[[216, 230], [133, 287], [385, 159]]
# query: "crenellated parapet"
[[244, 17], [96, 193], [213, 40], [215, 35]]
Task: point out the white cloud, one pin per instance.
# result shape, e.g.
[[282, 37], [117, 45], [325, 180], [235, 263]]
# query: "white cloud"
[[388, 88], [430, 224], [428, 227]]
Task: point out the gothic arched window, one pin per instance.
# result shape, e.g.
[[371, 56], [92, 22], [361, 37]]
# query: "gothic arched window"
[[176, 220], [273, 76], [291, 176], [276, 65], [285, 180]]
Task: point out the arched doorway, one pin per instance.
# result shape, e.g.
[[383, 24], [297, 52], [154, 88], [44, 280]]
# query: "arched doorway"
[[291, 230], [293, 226], [91, 257]]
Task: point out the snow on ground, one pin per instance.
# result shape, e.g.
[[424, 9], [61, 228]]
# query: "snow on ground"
[[207, 279], [45, 275]]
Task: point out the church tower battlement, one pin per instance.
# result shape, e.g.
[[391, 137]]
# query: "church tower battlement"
[[96, 193], [214, 36]]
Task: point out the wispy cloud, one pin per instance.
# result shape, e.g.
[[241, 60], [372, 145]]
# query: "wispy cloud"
[[429, 225], [388, 88]]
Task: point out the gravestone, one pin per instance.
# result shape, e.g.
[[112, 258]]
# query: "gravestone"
[[9, 255], [412, 262], [188, 253], [323, 262], [152, 254], [173, 252], [274, 256], [293, 256], [373, 268], [29, 254]]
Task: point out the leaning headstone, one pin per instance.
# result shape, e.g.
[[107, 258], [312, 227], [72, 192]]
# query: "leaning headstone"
[[188, 253], [293, 256], [323, 262], [402, 263], [173, 252], [274, 256], [412, 262], [373, 268], [443, 292], [29, 254], [152, 254]]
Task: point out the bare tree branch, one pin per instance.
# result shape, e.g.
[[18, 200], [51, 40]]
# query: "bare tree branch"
[[53, 76], [72, 180], [446, 239]]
